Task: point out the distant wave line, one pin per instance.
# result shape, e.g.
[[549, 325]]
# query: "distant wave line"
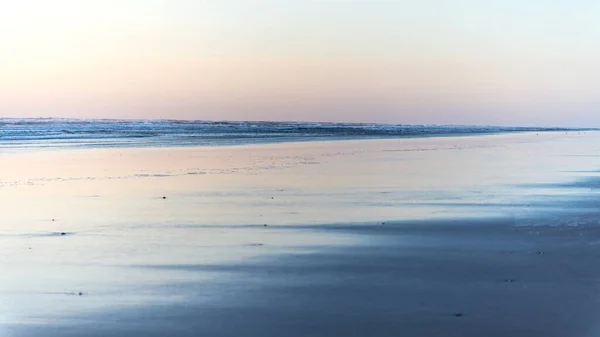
[[50, 132]]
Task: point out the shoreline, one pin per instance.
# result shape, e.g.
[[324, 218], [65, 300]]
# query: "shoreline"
[[33, 147]]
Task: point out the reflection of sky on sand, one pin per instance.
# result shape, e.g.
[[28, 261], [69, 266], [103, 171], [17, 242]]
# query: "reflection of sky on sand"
[[285, 183], [218, 200]]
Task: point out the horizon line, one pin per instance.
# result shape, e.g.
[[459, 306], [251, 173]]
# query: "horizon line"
[[296, 121]]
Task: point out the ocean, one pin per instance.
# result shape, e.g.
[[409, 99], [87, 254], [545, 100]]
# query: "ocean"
[[53, 133]]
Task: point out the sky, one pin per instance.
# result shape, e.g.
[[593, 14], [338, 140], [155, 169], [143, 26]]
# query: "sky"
[[502, 62]]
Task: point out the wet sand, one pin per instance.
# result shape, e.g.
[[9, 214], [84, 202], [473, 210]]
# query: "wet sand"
[[459, 278], [505, 249]]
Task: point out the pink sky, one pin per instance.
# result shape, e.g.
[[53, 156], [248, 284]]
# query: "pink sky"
[[388, 61]]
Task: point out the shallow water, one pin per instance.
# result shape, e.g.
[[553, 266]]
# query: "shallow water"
[[128, 250]]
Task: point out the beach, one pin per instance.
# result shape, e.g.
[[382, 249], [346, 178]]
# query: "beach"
[[479, 235]]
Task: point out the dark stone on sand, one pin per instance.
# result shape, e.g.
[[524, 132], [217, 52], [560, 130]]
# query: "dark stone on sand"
[[164, 197], [53, 220]]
